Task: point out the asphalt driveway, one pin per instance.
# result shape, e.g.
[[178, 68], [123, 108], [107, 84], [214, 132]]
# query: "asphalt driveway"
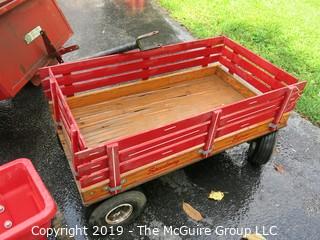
[[290, 201]]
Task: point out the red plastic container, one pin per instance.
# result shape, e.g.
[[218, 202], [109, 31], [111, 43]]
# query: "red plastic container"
[[24, 201], [20, 59]]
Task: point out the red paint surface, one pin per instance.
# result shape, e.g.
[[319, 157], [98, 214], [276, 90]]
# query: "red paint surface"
[[26, 200], [19, 61]]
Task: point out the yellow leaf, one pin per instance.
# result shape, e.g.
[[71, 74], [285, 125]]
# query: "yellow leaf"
[[218, 196], [279, 168], [191, 212], [254, 237]]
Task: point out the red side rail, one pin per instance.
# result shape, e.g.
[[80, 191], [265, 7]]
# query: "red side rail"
[[105, 71], [64, 117]]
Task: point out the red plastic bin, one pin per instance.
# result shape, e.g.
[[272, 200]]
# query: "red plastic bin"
[[20, 59], [24, 201]]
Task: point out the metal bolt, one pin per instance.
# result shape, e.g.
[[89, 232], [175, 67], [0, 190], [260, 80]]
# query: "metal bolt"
[[2, 208], [123, 181], [7, 224]]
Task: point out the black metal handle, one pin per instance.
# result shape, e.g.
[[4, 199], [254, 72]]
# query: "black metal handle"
[[120, 49], [125, 48]]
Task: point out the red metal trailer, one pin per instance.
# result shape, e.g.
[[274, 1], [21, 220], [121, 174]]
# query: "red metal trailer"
[[32, 35], [156, 111], [24, 202]]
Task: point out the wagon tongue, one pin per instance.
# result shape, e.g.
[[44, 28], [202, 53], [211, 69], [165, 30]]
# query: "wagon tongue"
[[144, 42], [148, 41]]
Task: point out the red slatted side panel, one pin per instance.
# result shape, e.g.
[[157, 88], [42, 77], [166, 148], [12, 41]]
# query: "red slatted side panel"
[[100, 72], [150, 146], [65, 116], [257, 109], [144, 148], [137, 150]]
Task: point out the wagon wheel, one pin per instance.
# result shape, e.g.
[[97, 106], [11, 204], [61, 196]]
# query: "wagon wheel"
[[120, 210], [261, 149]]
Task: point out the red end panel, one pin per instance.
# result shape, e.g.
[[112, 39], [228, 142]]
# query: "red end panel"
[[62, 112], [261, 75], [20, 61], [253, 81], [259, 61]]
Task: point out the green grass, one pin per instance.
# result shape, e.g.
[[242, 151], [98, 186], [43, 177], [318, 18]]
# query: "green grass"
[[287, 33]]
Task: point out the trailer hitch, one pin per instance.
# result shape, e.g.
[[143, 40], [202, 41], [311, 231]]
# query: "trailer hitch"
[[137, 44], [52, 51]]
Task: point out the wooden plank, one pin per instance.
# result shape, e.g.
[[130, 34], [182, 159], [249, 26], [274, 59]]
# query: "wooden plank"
[[164, 166], [246, 92], [137, 113]]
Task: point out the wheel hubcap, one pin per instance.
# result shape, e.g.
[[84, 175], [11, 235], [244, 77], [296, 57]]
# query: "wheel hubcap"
[[119, 214]]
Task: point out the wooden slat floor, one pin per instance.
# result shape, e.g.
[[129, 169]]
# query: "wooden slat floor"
[[135, 113]]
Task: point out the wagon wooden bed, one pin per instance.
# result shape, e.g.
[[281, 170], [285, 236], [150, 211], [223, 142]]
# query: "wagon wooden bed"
[[156, 111]]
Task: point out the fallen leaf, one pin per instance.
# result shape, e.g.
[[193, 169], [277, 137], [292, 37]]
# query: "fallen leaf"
[[279, 168], [191, 212], [218, 196], [254, 237]]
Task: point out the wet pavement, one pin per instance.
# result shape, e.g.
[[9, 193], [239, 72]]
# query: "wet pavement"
[[254, 197]]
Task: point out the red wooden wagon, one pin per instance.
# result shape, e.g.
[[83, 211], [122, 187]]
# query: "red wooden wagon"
[[156, 111]]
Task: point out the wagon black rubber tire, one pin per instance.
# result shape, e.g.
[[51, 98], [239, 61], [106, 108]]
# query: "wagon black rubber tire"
[[136, 199], [260, 149]]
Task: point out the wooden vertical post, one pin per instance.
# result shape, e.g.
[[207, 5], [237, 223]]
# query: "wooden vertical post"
[[283, 107], [68, 83], [145, 69], [207, 56], [114, 168], [54, 96], [211, 132], [74, 138]]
